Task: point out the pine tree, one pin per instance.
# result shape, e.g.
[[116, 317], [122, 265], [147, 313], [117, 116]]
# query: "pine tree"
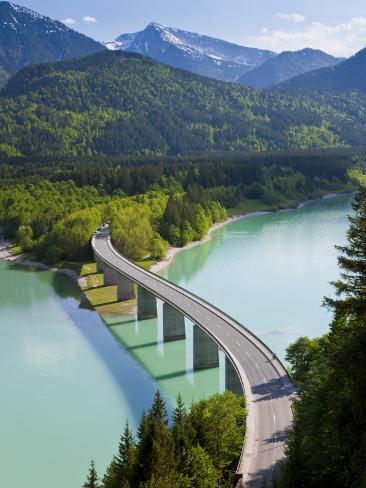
[[158, 410], [347, 358], [142, 426], [180, 412], [120, 471], [92, 480], [351, 288], [181, 433], [126, 455], [155, 452]]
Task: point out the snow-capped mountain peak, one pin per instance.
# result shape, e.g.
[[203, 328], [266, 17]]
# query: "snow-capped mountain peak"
[[195, 52], [27, 37], [17, 17]]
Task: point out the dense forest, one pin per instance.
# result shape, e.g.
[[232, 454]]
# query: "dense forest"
[[199, 448], [122, 103], [53, 210], [328, 445], [57, 220]]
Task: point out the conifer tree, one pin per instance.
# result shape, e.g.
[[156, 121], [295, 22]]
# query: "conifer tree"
[[142, 426], [181, 432], [180, 412], [155, 453], [120, 471], [125, 459], [92, 480], [158, 411], [351, 288]]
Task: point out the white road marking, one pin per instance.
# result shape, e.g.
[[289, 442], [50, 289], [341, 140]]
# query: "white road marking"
[[264, 379], [237, 343], [247, 353], [256, 365]]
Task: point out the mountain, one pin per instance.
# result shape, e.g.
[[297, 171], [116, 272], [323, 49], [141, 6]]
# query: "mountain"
[[348, 75], [116, 103], [194, 52], [27, 37], [287, 65]]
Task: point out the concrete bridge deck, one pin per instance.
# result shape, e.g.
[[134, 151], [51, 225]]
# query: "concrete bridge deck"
[[268, 389]]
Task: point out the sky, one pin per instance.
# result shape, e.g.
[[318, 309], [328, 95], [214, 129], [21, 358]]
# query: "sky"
[[335, 26]]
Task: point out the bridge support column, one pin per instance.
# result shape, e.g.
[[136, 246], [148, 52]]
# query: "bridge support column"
[[232, 381], [99, 264], [125, 287], [173, 324], [205, 350], [146, 304]]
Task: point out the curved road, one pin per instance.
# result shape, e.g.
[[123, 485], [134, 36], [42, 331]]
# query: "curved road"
[[268, 389]]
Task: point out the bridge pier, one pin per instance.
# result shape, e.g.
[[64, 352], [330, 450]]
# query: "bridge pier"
[[125, 287], [205, 350], [232, 380], [99, 264], [146, 304], [173, 324]]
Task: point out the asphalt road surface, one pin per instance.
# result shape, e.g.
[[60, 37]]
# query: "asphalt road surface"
[[268, 389]]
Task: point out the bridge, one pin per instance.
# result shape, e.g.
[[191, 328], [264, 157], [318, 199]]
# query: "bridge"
[[250, 366]]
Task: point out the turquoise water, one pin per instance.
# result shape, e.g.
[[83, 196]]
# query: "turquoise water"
[[65, 391], [68, 386], [68, 383], [271, 272]]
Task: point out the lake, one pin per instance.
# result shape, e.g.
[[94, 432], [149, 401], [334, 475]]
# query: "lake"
[[69, 382]]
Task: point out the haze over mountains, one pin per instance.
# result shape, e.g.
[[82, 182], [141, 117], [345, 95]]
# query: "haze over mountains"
[[287, 65], [220, 59], [27, 37], [348, 75]]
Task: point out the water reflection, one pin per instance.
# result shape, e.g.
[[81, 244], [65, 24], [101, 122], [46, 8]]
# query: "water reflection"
[[154, 361], [169, 362], [194, 262]]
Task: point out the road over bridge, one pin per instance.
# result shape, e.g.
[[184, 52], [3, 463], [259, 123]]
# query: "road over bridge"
[[266, 384]]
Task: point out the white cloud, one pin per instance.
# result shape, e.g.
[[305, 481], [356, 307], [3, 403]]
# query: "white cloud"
[[294, 17], [69, 21], [89, 19], [341, 39]]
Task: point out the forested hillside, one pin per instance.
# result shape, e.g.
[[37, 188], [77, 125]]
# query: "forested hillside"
[[122, 103], [54, 210]]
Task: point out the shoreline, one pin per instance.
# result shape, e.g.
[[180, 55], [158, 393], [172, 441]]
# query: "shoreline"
[[173, 251], [22, 259]]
